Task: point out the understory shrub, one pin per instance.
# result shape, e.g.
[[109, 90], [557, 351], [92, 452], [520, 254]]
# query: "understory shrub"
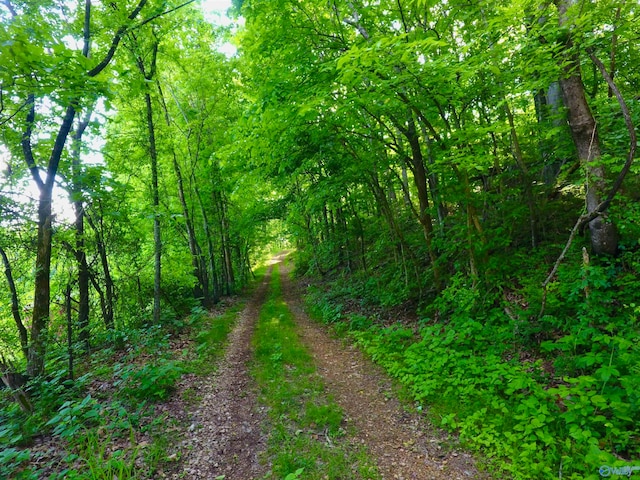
[[550, 397], [510, 409]]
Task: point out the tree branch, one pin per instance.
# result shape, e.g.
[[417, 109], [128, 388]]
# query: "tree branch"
[[161, 14], [12, 10], [26, 141], [10, 117], [355, 22], [115, 42], [15, 304], [87, 29], [58, 146], [633, 140]]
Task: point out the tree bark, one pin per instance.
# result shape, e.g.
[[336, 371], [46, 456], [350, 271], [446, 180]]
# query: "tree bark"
[[79, 251], [15, 304], [584, 131], [42, 293]]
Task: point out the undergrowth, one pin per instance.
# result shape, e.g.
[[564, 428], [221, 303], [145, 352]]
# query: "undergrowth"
[[104, 423], [308, 439], [548, 398]]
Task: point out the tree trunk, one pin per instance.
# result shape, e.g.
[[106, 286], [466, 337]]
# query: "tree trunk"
[[101, 296], [201, 289], [15, 304], [214, 285], [387, 213], [227, 264], [226, 248], [153, 155], [79, 251], [604, 234], [42, 287], [42, 294], [420, 179], [107, 304], [157, 241]]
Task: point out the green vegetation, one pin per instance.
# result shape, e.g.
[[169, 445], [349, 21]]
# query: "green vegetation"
[[538, 396], [307, 434], [466, 169], [105, 423]]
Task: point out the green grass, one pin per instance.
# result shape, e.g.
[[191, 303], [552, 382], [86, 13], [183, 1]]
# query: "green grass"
[[307, 429]]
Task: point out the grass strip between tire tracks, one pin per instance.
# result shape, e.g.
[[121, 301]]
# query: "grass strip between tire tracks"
[[308, 434]]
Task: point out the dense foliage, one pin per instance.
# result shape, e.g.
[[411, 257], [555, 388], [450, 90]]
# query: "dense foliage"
[[471, 162], [441, 156], [147, 210]]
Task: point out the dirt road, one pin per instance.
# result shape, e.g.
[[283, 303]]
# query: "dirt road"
[[229, 429]]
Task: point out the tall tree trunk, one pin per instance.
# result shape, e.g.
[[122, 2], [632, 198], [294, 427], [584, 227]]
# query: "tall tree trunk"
[[226, 247], [214, 285], [420, 179], [79, 251], [15, 304], [227, 264], [153, 156], [604, 234], [107, 305], [434, 184], [157, 240], [42, 287], [42, 295], [201, 289]]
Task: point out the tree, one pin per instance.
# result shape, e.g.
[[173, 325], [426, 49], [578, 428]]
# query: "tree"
[[584, 131], [148, 73], [81, 80]]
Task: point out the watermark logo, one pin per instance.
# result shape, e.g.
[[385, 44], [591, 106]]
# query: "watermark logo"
[[626, 471]]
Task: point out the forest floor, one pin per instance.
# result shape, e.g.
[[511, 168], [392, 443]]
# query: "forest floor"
[[227, 431]]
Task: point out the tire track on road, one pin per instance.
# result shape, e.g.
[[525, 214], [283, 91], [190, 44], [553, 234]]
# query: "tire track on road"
[[404, 444]]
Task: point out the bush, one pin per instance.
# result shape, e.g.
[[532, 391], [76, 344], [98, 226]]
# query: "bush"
[[151, 382]]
